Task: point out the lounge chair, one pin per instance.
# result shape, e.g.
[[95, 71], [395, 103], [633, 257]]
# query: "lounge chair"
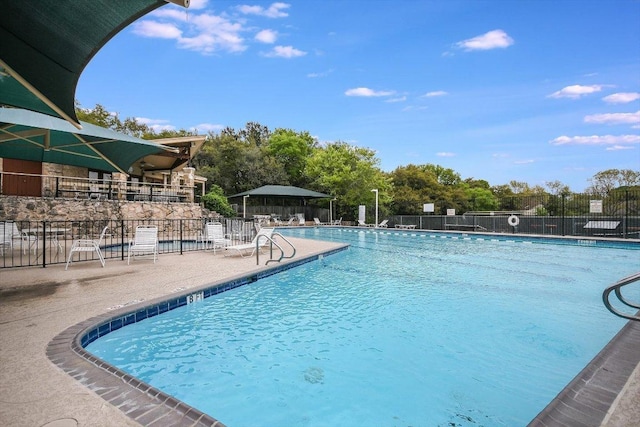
[[88, 245], [361, 223], [316, 221], [214, 236], [260, 240], [383, 224], [337, 222], [144, 242]]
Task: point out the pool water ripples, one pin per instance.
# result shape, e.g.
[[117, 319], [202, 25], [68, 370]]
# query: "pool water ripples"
[[399, 330]]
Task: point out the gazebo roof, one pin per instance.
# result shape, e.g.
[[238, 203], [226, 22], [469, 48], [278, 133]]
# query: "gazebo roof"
[[282, 191]]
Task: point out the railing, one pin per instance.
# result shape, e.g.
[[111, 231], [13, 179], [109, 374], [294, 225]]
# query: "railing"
[[273, 242], [43, 243], [616, 226], [34, 185], [616, 289]]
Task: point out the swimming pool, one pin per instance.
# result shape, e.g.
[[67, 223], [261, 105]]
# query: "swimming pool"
[[402, 329]]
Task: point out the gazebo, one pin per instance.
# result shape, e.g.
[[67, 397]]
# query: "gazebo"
[[276, 197]]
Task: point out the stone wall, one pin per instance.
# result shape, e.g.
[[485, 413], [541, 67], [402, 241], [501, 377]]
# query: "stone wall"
[[17, 208]]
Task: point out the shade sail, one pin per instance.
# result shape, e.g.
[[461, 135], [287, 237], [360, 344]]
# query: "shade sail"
[[282, 191], [26, 135], [45, 45]]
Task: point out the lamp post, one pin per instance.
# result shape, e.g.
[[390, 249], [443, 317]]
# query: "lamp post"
[[376, 191], [331, 210], [244, 206]]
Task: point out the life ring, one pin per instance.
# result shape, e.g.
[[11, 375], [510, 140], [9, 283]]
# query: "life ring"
[[513, 220]]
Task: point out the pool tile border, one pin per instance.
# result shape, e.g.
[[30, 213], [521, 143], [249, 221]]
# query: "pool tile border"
[[141, 402], [587, 399]]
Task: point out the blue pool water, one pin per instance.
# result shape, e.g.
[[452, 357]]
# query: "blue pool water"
[[403, 329]]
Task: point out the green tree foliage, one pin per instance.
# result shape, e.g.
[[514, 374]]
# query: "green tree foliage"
[[605, 181], [349, 173], [292, 149], [99, 116], [234, 160], [215, 201]]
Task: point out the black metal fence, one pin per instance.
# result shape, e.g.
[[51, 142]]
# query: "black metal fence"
[[42, 243], [616, 214]]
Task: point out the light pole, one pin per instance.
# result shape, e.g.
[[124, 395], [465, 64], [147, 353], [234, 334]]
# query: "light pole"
[[331, 210], [376, 191], [244, 206]]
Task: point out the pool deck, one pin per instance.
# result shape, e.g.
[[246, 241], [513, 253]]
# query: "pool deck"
[[38, 304]]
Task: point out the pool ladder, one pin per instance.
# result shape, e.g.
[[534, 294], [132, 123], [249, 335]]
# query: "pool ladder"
[[273, 243], [616, 289]]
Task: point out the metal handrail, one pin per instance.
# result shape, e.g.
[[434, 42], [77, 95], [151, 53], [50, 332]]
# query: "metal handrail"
[[273, 242], [616, 288]]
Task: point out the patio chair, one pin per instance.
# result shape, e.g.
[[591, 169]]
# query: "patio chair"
[[214, 236], [316, 221], [361, 223], [10, 234], [145, 242], [337, 221], [88, 245], [383, 224], [259, 241]]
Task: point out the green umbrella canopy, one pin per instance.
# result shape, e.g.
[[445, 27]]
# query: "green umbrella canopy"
[[26, 135], [282, 191], [45, 45]]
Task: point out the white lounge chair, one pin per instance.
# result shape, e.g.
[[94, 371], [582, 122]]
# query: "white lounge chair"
[[337, 221], [361, 223], [88, 245], [145, 242], [383, 224], [316, 221], [214, 236], [259, 241]]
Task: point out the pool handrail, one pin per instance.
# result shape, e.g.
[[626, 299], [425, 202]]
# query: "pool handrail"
[[616, 289], [273, 242]]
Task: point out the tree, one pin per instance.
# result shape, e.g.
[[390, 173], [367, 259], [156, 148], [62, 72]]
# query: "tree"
[[348, 173], [605, 181], [292, 149], [215, 201]]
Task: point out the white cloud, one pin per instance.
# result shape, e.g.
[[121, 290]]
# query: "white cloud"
[[276, 10], [284, 52], [366, 92], [154, 29], [266, 36], [322, 74], [197, 4], [612, 140], [622, 97], [492, 40], [208, 127], [158, 125], [524, 162], [445, 154], [614, 118], [399, 99], [435, 93], [619, 148], [575, 91], [204, 33]]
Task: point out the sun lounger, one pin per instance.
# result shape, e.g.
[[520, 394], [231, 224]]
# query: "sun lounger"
[[364, 224], [259, 241]]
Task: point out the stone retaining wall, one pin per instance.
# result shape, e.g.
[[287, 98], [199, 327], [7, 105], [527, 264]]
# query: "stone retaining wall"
[[18, 208]]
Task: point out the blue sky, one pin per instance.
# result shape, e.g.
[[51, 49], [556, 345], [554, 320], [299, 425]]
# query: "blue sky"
[[526, 90]]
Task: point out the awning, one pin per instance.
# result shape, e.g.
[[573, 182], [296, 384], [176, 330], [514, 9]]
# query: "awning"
[[26, 135], [282, 191], [45, 45]]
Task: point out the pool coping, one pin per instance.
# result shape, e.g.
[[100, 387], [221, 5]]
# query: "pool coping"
[[590, 396], [139, 401]]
